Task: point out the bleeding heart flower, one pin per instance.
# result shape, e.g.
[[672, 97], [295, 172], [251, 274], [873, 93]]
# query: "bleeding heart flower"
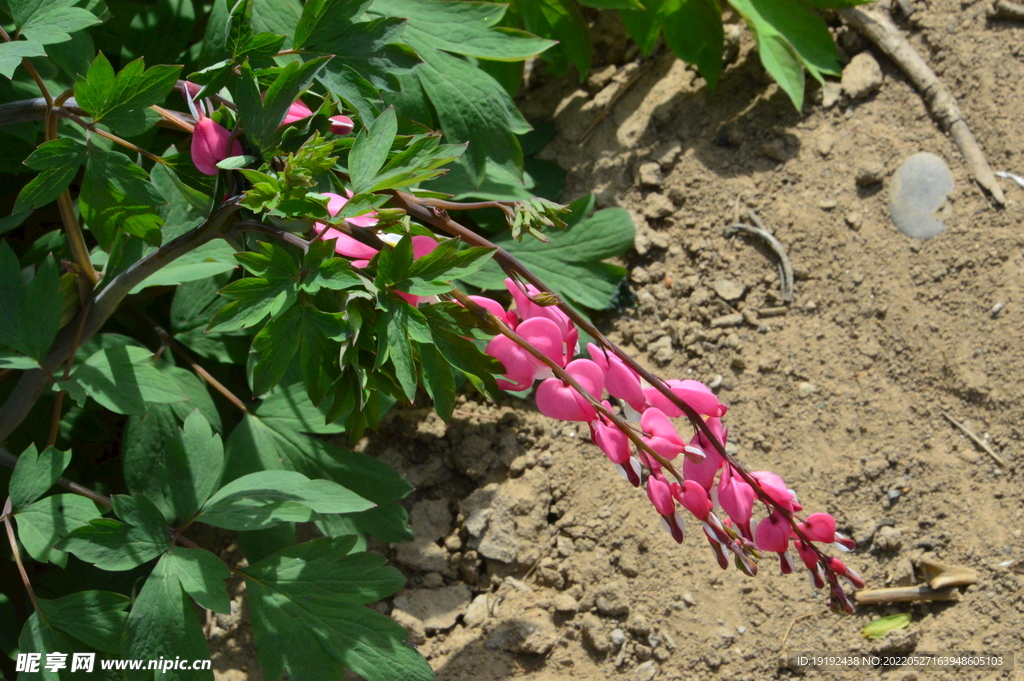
[[210, 145], [819, 527], [619, 380], [772, 534], [737, 499], [694, 393], [694, 499], [296, 112], [659, 492], [775, 487], [562, 402], [521, 367], [661, 434], [341, 125]]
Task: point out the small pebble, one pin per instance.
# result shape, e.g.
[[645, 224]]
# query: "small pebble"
[[917, 193], [996, 309]]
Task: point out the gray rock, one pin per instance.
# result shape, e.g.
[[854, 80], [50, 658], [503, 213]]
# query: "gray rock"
[[862, 76], [593, 634], [869, 172], [658, 206], [436, 608], [477, 612], [507, 521], [413, 625], [649, 174], [917, 195], [646, 671], [430, 520], [728, 289], [533, 635]]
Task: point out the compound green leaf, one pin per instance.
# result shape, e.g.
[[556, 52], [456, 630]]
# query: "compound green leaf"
[[571, 264], [29, 315], [123, 379], [13, 52], [57, 23], [560, 19], [116, 193], [202, 575], [163, 620], [95, 618], [466, 28], [325, 20], [370, 150], [44, 523], [100, 93], [194, 458], [308, 615], [115, 545], [262, 114], [438, 380], [35, 473], [57, 162], [267, 498]]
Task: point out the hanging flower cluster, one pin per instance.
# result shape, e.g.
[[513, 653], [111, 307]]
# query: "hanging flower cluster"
[[648, 413]]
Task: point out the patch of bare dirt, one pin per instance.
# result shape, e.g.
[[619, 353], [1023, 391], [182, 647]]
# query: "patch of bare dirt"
[[551, 567]]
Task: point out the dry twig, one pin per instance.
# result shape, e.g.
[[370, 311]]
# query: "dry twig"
[[880, 30], [785, 268], [977, 440], [902, 594], [1004, 9]]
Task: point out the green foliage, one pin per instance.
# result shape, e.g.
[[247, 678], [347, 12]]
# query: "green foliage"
[[213, 369]]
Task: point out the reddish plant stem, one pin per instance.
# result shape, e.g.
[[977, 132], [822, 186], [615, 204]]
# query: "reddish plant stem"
[[179, 349], [17, 558], [416, 208]]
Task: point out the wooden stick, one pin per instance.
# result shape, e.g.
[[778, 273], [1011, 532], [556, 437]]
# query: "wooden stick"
[[901, 594], [1004, 9], [977, 440], [880, 30]]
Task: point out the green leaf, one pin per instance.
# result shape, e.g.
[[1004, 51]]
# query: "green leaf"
[[308, 616], [35, 473], [195, 462], [214, 257], [473, 107], [56, 24], [790, 35], [273, 289], [12, 360], [612, 4], [202, 575], [95, 618], [163, 620], [123, 379], [192, 308], [571, 264], [693, 31], [277, 343], [438, 380], [266, 498], [366, 50], [466, 28], [559, 19], [37, 636], [289, 409], [114, 545], [42, 524], [324, 20], [13, 52], [29, 315], [262, 115], [370, 150], [58, 162], [116, 193], [100, 93], [883, 625]]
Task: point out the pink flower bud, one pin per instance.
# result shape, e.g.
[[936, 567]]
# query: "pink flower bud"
[[694, 393], [819, 527], [521, 367], [659, 494], [772, 534], [694, 499], [620, 381], [210, 145], [296, 112], [560, 401], [191, 90], [661, 435], [737, 499], [341, 125]]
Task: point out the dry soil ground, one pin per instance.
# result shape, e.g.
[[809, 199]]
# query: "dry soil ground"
[[536, 561]]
